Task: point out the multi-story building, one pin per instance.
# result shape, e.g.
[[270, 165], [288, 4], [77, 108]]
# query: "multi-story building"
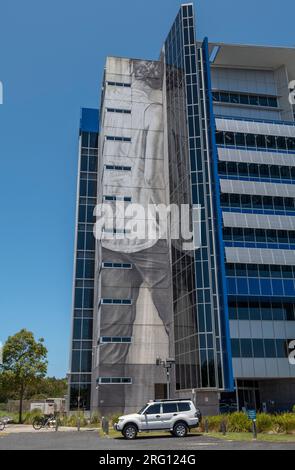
[[84, 262], [209, 126]]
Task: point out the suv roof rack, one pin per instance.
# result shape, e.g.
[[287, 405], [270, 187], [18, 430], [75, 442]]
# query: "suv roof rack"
[[171, 399]]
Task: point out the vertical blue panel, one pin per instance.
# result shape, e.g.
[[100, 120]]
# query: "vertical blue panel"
[[89, 120], [227, 356]]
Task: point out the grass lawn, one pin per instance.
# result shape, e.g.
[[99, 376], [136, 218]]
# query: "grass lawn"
[[247, 436], [232, 436]]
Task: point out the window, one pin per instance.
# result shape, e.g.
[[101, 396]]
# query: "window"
[[258, 202], [120, 84], [254, 170], [270, 348], [117, 198], [110, 265], [116, 301], [170, 408], [153, 409], [269, 142], [245, 99], [85, 139], [115, 339], [258, 349], [117, 138], [118, 168], [235, 346], [281, 348], [86, 361], [90, 242], [91, 189], [114, 380], [246, 349], [76, 357], [183, 406], [117, 110], [93, 139], [116, 230]]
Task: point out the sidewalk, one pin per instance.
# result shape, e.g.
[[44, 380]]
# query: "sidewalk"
[[24, 428]]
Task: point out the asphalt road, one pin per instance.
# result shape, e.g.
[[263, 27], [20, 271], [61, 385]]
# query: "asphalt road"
[[89, 440]]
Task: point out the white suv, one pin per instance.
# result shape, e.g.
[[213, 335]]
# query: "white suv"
[[176, 416]]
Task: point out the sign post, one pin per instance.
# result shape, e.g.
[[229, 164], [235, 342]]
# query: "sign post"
[[252, 415]]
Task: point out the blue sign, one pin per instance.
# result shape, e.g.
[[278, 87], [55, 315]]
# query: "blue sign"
[[251, 414]]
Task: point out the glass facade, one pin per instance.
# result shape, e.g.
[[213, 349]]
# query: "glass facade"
[[83, 302], [255, 141], [197, 284], [245, 99], [260, 348]]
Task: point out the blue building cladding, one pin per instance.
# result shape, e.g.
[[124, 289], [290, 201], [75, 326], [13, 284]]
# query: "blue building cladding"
[[224, 317], [89, 120]]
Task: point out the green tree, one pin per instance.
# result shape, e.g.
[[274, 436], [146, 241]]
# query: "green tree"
[[48, 387], [24, 363]]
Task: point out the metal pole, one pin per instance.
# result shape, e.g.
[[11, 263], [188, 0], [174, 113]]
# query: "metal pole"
[[223, 427], [168, 383], [237, 395], [56, 423], [78, 419], [254, 429]]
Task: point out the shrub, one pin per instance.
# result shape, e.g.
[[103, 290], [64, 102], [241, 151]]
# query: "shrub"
[[31, 415], [115, 418], [293, 409], [264, 422], [95, 419], [214, 422], [72, 420], [238, 422], [284, 422]]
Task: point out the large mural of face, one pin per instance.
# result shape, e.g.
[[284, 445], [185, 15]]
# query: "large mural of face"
[[146, 284]]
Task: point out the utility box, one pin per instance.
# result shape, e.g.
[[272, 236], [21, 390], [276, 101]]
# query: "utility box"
[[59, 404], [45, 408]]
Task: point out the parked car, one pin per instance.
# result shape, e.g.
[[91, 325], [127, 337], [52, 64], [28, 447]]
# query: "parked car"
[[176, 416]]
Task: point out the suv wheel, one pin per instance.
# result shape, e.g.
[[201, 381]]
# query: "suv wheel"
[[130, 431], [180, 429]]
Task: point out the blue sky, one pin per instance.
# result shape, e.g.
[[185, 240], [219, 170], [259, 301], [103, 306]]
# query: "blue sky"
[[52, 55]]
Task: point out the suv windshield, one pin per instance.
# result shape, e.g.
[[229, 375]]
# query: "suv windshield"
[[142, 409]]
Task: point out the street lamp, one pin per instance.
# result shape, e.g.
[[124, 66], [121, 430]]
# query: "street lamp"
[[167, 365]]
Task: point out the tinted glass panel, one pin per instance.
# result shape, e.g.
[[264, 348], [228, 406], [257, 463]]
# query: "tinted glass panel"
[[184, 407], [153, 409], [169, 408]]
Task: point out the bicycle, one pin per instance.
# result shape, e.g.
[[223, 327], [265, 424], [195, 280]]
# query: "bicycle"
[[4, 422], [44, 421]]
